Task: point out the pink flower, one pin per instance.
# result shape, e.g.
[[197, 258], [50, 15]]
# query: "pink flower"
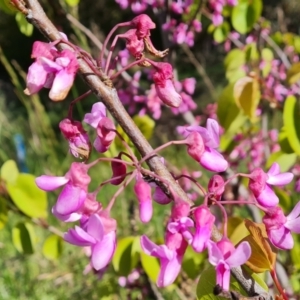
[[279, 227], [209, 158], [160, 197], [164, 85], [119, 170], [204, 221], [216, 186], [77, 137], [98, 112], [143, 24], [260, 183], [105, 135], [51, 69], [224, 256], [170, 256], [133, 44], [143, 192], [74, 193], [95, 234]]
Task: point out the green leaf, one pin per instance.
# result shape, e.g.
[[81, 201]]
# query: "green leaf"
[[207, 282], [28, 197], [267, 57], [124, 259], [53, 247], [145, 124], [25, 27], [3, 212], [9, 171], [24, 238], [150, 265], [192, 262], [234, 63], [293, 73], [247, 95], [245, 14], [72, 2], [284, 142], [291, 122], [285, 161], [221, 32], [7, 7]]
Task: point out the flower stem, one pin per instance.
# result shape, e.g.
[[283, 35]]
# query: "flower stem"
[[278, 285]]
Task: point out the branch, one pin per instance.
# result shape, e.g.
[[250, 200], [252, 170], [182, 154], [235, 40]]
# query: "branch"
[[35, 15]]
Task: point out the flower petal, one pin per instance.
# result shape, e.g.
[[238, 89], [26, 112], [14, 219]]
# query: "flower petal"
[[95, 227], [169, 270], [103, 251], [62, 83], [152, 249], [240, 255], [50, 183], [223, 275], [66, 218], [201, 237], [293, 225], [214, 131], [267, 197], [274, 170], [280, 179], [295, 212], [70, 199], [281, 238], [79, 237], [213, 161], [97, 113], [36, 78], [214, 253]]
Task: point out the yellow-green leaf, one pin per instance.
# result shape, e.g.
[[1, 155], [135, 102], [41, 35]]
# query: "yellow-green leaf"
[[291, 121], [9, 171], [28, 197], [236, 229], [25, 27], [24, 238], [221, 32], [3, 212], [150, 265], [53, 246], [72, 2], [285, 161], [247, 95], [293, 73]]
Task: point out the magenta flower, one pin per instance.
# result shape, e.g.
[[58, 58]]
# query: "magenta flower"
[[209, 158], [163, 80], [143, 192], [98, 112], [79, 144], [51, 69], [224, 256], [106, 133], [182, 226], [204, 221], [260, 183], [160, 197], [279, 226], [216, 186], [143, 24], [74, 193], [134, 45], [94, 234], [119, 170], [170, 256]]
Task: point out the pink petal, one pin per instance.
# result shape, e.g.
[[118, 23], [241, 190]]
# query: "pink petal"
[[169, 270], [35, 79], [99, 146], [280, 179], [214, 131], [295, 212], [66, 218], [281, 238], [97, 113], [95, 227], [79, 237], [70, 199], [274, 170], [152, 249], [146, 211], [240, 255], [293, 225], [214, 253], [49, 65], [62, 83], [167, 94], [103, 251], [267, 197], [223, 276], [201, 237], [50, 183], [213, 161]]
